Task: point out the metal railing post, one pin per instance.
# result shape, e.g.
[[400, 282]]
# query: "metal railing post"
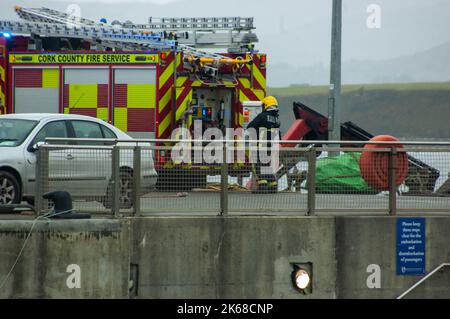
[[224, 183], [41, 181], [311, 181], [431, 273], [392, 181], [137, 180], [116, 181]]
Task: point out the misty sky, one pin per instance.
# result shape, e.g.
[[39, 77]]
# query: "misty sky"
[[295, 32]]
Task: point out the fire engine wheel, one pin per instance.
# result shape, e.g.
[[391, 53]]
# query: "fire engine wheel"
[[9, 189], [125, 191]]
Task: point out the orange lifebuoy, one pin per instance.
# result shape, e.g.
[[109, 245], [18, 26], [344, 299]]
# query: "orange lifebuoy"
[[374, 166]]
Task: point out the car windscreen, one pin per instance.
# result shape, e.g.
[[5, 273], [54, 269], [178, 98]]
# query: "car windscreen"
[[14, 131]]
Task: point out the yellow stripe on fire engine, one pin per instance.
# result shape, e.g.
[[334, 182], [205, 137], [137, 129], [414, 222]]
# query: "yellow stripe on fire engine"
[[181, 80], [102, 113], [196, 83], [2, 73], [178, 59], [66, 110], [164, 124], [50, 78], [83, 95], [183, 105], [168, 72], [2, 102], [259, 93], [141, 96], [242, 96], [247, 65], [258, 76], [164, 101], [2, 95], [121, 118], [245, 82]]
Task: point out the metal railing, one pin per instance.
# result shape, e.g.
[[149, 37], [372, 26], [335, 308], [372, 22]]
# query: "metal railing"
[[421, 281], [313, 177]]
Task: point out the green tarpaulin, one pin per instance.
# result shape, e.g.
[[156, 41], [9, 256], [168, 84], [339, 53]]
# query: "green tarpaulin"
[[341, 175]]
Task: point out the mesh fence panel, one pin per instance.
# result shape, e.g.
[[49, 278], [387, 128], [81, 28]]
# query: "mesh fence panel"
[[182, 186], [151, 180], [270, 186], [84, 172], [427, 186]]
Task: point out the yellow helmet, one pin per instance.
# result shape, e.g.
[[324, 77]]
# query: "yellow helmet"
[[269, 101]]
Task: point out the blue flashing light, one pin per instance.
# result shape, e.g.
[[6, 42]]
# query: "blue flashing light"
[[103, 20], [7, 35]]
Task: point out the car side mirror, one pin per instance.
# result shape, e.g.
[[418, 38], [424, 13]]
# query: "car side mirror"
[[33, 148]]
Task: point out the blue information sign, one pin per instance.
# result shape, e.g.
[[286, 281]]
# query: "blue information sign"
[[410, 246]]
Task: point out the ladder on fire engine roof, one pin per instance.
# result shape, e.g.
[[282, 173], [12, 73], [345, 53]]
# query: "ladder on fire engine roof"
[[208, 32], [169, 24], [52, 23], [122, 39], [119, 39]]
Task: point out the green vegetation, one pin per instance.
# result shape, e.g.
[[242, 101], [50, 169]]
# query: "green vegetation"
[[410, 110]]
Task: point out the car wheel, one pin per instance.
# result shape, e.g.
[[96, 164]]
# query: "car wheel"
[[125, 192], [9, 189]]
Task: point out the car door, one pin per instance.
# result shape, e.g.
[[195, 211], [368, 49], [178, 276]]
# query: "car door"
[[92, 166], [57, 158]]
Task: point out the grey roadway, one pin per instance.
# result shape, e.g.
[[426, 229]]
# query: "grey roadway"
[[282, 202]]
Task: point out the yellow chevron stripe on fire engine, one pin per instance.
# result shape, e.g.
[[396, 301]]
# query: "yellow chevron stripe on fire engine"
[[196, 83], [164, 101], [247, 66], [183, 105], [2, 73], [259, 93], [181, 80], [121, 118], [2, 102], [164, 124], [141, 96], [178, 59], [242, 96], [50, 78], [2, 95], [245, 82], [259, 77], [83, 96], [168, 72]]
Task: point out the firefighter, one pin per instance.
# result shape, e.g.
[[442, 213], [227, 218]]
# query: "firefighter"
[[267, 125]]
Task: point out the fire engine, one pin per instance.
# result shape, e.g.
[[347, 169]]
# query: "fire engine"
[[146, 79]]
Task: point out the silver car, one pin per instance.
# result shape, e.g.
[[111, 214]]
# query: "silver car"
[[83, 173]]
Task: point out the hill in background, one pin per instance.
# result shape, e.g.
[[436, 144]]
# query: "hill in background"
[[416, 110], [432, 65]]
